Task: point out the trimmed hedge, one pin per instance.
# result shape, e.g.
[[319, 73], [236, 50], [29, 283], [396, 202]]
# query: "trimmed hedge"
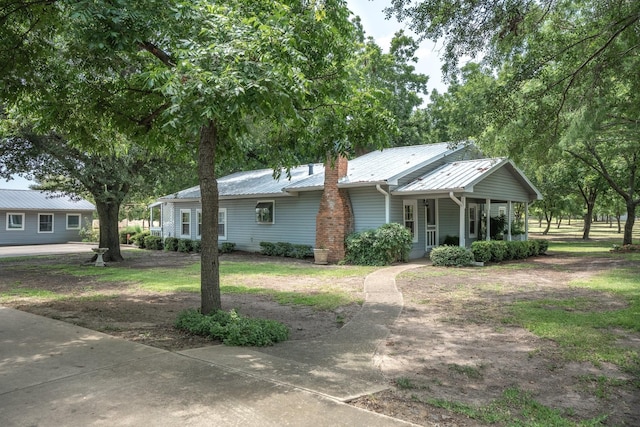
[[153, 242], [501, 250], [185, 245], [227, 248], [286, 249], [385, 245], [171, 244], [451, 256]]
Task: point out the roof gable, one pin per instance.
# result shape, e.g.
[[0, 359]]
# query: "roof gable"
[[41, 200]]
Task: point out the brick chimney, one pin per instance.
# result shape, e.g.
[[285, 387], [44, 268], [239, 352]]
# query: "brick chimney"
[[335, 218]]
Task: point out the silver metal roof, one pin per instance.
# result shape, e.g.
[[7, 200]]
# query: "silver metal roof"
[[254, 183], [40, 200]]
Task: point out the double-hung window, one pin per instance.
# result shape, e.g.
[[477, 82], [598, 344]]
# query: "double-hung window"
[[410, 215], [73, 221], [185, 223], [45, 223], [473, 220], [15, 221], [222, 224], [198, 223]]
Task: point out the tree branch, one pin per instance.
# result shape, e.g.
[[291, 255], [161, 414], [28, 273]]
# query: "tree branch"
[[164, 57]]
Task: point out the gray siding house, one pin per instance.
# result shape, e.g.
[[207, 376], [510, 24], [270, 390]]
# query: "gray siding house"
[[435, 190], [33, 217]]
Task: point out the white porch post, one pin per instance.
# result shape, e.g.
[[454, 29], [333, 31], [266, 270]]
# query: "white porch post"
[[488, 208], [509, 215], [526, 221], [462, 203]]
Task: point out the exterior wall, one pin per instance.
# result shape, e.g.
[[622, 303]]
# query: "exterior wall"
[[30, 234], [449, 218], [368, 208], [501, 185]]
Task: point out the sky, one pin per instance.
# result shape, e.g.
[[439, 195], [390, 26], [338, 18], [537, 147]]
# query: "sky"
[[376, 26]]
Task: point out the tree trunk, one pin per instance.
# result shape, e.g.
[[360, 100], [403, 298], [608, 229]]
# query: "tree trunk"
[[627, 239], [587, 221], [549, 219], [210, 266], [108, 215]]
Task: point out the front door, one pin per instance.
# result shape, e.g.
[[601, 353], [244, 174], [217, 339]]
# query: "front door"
[[431, 223]]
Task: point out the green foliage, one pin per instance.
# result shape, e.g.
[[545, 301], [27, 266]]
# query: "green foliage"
[[185, 245], [481, 250], [88, 234], [451, 256], [543, 245], [153, 242], [233, 329], [171, 244], [499, 250], [286, 249], [196, 246], [139, 238], [387, 244], [227, 247]]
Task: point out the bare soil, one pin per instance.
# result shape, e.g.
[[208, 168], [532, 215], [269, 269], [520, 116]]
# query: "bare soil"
[[450, 342]]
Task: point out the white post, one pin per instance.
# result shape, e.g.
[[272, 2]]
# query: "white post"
[[488, 208], [509, 215], [526, 221], [462, 203]]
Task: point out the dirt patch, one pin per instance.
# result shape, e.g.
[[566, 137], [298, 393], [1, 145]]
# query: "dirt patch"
[[453, 340]]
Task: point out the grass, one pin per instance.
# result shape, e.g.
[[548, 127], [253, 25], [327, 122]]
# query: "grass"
[[232, 275], [516, 408]]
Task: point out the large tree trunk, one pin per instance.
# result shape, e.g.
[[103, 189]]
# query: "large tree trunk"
[[587, 221], [627, 239], [210, 267], [108, 215], [549, 217]]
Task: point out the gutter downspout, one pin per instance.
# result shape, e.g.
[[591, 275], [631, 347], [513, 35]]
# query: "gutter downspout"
[[386, 203], [460, 203]]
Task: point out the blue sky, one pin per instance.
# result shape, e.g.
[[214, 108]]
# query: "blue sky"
[[376, 26]]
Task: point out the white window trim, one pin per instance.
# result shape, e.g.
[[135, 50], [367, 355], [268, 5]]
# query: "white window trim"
[[226, 230], [182, 211], [198, 223], [502, 210], [79, 221], [474, 207], [9, 214], [53, 223], [414, 204], [273, 213]]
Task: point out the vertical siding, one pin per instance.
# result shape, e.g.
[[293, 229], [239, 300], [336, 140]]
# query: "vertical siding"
[[30, 235]]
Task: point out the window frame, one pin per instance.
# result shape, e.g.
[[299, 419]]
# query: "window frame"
[[182, 223], [273, 211], [9, 215], [226, 231], [198, 223], [412, 203], [52, 223], [473, 207], [502, 210], [79, 226]]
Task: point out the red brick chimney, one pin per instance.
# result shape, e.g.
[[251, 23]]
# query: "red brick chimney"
[[335, 218]]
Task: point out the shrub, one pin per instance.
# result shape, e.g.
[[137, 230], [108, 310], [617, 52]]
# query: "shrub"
[[232, 328], [138, 239], [533, 247], [301, 251], [286, 249], [543, 245], [382, 246], [498, 250], [451, 256], [184, 245], [481, 250], [153, 242], [497, 225], [509, 251], [268, 248], [520, 249], [171, 244], [282, 248], [88, 234], [451, 241], [227, 248], [196, 246]]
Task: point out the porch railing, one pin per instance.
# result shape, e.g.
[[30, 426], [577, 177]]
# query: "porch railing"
[[156, 231], [431, 238]]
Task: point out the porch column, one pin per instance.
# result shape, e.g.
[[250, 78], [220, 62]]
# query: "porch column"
[[526, 221], [509, 215], [488, 207], [462, 203]]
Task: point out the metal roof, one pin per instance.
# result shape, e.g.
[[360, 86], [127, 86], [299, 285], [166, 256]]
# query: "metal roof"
[[41, 200], [462, 176], [254, 183]]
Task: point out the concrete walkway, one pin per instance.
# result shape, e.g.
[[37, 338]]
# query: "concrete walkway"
[[54, 373]]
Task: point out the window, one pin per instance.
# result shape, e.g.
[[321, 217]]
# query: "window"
[[15, 221], [265, 212], [410, 209], [185, 223], [502, 210], [73, 221], [45, 223], [222, 224], [198, 223], [473, 220]]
